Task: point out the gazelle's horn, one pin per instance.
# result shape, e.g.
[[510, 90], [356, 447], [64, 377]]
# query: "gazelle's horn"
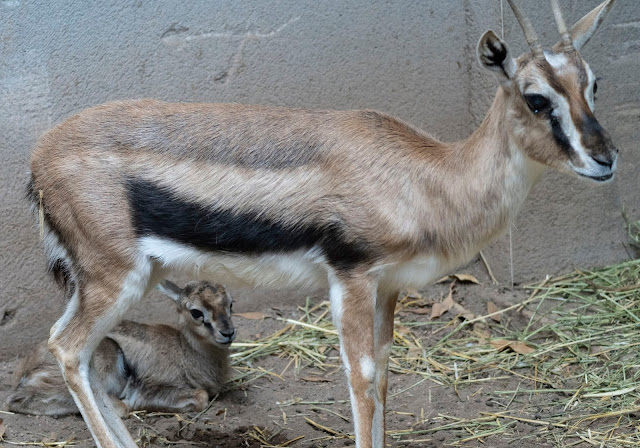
[[562, 28], [529, 32]]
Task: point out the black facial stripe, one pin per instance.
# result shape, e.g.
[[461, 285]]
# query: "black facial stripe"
[[593, 135], [158, 212], [558, 134]]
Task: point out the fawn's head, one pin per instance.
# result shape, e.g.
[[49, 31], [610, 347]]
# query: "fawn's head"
[[550, 97], [205, 309]]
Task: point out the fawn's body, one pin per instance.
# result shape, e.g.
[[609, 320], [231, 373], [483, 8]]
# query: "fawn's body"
[[141, 366]]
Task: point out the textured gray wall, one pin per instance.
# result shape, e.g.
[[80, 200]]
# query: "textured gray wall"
[[413, 59]]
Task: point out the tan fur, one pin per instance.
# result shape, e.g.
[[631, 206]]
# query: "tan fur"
[[141, 367], [356, 200]]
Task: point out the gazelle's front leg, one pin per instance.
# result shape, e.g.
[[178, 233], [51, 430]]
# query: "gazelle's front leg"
[[352, 304]]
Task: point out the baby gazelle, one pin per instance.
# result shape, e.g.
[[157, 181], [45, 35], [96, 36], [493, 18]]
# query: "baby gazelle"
[[153, 367]]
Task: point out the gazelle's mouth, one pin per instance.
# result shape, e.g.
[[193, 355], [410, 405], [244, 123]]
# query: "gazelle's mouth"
[[604, 178]]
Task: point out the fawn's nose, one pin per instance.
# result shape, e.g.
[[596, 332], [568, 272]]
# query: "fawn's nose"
[[229, 334]]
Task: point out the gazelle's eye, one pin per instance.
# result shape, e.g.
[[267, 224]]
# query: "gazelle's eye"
[[197, 314], [595, 87], [537, 103]]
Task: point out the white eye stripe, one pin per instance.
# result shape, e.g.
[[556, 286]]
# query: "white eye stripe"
[[588, 93]]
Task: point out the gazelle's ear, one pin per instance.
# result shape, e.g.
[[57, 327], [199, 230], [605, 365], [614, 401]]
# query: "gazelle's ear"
[[170, 289], [493, 55], [587, 26]]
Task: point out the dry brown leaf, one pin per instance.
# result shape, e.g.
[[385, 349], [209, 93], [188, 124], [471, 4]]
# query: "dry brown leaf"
[[2, 428], [459, 310], [466, 278], [419, 310], [522, 348], [439, 309], [518, 347], [321, 349], [500, 344], [315, 379], [492, 308], [253, 315], [220, 412], [401, 329]]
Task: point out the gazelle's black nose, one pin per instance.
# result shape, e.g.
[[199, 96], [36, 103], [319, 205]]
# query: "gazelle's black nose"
[[604, 160]]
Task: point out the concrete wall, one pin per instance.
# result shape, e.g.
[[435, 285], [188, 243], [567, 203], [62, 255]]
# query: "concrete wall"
[[413, 59]]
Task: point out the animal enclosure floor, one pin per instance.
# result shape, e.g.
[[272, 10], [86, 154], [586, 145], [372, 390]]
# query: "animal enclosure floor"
[[296, 400]]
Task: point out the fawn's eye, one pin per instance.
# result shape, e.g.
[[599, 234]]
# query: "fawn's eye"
[[197, 314], [537, 103], [595, 87]]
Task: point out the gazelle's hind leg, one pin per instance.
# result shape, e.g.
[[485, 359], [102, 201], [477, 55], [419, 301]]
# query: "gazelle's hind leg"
[[352, 306], [383, 334], [97, 306]]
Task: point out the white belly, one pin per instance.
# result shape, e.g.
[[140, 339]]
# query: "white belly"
[[300, 269]]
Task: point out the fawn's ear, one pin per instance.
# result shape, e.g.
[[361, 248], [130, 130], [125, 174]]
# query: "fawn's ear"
[[493, 55], [170, 289]]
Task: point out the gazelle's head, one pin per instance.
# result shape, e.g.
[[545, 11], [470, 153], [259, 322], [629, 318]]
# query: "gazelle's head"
[[550, 97], [205, 310]]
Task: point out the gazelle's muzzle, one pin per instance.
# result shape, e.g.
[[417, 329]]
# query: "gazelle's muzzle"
[[602, 152]]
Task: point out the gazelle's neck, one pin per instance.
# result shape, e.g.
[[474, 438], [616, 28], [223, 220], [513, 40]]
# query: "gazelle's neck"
[[487, 182], [501, 169]]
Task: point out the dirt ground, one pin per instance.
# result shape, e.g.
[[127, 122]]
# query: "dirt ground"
[[271, 411]]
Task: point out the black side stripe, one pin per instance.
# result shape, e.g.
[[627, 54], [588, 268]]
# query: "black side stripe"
[[159, 212]]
